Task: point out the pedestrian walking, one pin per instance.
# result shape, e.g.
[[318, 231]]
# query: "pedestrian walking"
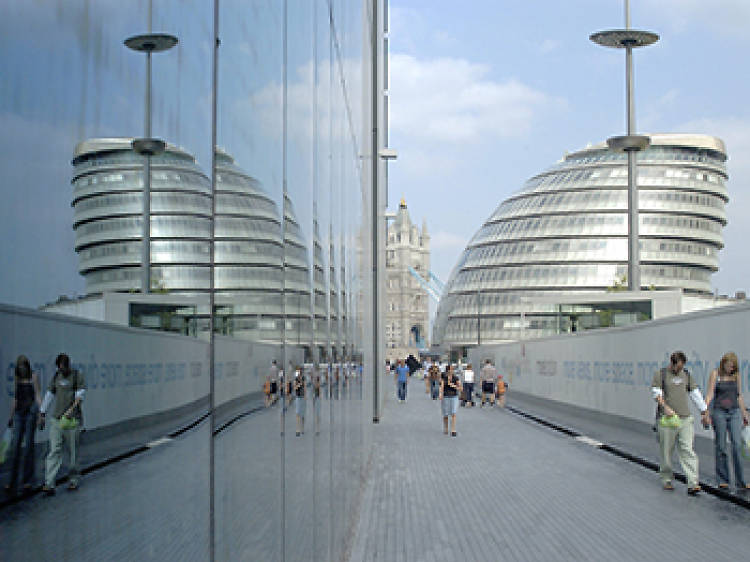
[[433, 376], [426, 371], [300, 404], [469, 385], [402, 373], [67, 389], [488, 375], [450, 388], [728, 415], [671, 387], [501, 389], [316, 402], [24, 418]]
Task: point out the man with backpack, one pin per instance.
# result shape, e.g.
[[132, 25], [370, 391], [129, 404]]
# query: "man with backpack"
[[65, 394], [670, 388]]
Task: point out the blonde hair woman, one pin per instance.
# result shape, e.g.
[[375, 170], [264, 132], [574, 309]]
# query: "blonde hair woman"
[[728, 414]]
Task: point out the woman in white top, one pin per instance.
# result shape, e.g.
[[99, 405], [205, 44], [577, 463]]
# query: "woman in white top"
[[469, 385]]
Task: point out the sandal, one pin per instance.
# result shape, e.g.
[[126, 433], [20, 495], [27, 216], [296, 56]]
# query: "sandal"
[[668, 486], [693, 491], [723, 485]]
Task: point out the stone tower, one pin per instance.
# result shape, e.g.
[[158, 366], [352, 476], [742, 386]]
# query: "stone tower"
[[407, 303]]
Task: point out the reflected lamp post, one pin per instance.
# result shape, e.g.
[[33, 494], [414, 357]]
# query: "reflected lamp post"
[[147, 146], [631, 143]]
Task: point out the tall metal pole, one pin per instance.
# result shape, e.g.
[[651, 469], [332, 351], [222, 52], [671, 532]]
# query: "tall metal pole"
[[631, 143], [212, 282], [375, 217], [146, 227], [479, 303], [634, 258]]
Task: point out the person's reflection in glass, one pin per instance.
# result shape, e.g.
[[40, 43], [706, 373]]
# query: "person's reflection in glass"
[[300, 403], [24, 417], [67, 388], [316, 401]]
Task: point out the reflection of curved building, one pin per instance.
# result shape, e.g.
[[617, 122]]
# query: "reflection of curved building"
[[108, 209], [566, 231]]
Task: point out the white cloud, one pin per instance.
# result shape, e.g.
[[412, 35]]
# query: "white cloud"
[[265, 104], [453, 100]]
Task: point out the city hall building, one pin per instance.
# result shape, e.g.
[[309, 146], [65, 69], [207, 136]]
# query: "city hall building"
[[564, 235]]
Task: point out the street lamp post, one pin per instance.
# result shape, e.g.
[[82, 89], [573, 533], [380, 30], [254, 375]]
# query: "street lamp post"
[[148, 43], [631, 143]]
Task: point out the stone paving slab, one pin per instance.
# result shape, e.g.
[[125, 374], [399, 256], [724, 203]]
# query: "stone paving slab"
[[633, 436], [509, 489]]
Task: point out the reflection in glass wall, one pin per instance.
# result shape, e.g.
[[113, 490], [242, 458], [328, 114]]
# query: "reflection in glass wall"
[[123, 214]]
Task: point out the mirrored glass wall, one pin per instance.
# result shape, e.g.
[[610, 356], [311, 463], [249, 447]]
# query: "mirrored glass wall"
[[185, 204]]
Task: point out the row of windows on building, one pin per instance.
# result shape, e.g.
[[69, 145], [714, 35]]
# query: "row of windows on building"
[[611, 223], [589, 200], [652, 153], [570, 176], [587, 274], [560, 249]]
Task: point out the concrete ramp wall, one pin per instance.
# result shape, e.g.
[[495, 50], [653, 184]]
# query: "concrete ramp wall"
[[610, 370], [130, 373]]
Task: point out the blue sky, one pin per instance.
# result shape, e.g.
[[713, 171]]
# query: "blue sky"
[[488, 93], [484, 95]]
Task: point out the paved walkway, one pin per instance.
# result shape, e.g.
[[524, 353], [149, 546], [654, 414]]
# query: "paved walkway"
[[509, 489]]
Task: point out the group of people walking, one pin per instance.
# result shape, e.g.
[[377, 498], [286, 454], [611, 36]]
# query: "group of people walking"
[[723, 409], [28, 412], [303, 382], [452, 385]]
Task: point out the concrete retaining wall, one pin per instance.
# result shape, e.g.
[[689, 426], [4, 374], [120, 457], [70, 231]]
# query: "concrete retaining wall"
[[610, 370], [130, 373]]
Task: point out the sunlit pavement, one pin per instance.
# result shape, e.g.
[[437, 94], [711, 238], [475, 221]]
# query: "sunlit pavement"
[[509, 489]]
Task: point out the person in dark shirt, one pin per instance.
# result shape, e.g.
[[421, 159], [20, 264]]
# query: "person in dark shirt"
[[728, 414], [450, 389], [24, 417], [299, 400]]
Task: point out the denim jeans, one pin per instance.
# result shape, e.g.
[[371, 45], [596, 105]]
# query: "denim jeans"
[[402, 390], [469, 391], [23, 431], [728, 421], [435, 389]]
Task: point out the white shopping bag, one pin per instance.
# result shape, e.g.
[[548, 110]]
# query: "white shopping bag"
[[746, 442], [5, 445]]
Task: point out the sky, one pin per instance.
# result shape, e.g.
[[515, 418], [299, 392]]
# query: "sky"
[[486, 94]]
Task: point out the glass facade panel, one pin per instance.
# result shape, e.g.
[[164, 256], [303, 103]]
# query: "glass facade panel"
[[567, 230], [236, 257]]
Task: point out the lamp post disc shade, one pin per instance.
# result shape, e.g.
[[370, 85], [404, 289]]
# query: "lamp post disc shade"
[[151, 42], [149, 147], [623, 38], [628, 142]]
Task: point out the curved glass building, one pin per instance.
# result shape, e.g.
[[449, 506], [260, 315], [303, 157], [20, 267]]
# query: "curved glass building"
[[566, 231], [108, 210]]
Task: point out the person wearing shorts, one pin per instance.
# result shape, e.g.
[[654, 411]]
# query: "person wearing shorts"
[[488, 376], [450, 388]]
